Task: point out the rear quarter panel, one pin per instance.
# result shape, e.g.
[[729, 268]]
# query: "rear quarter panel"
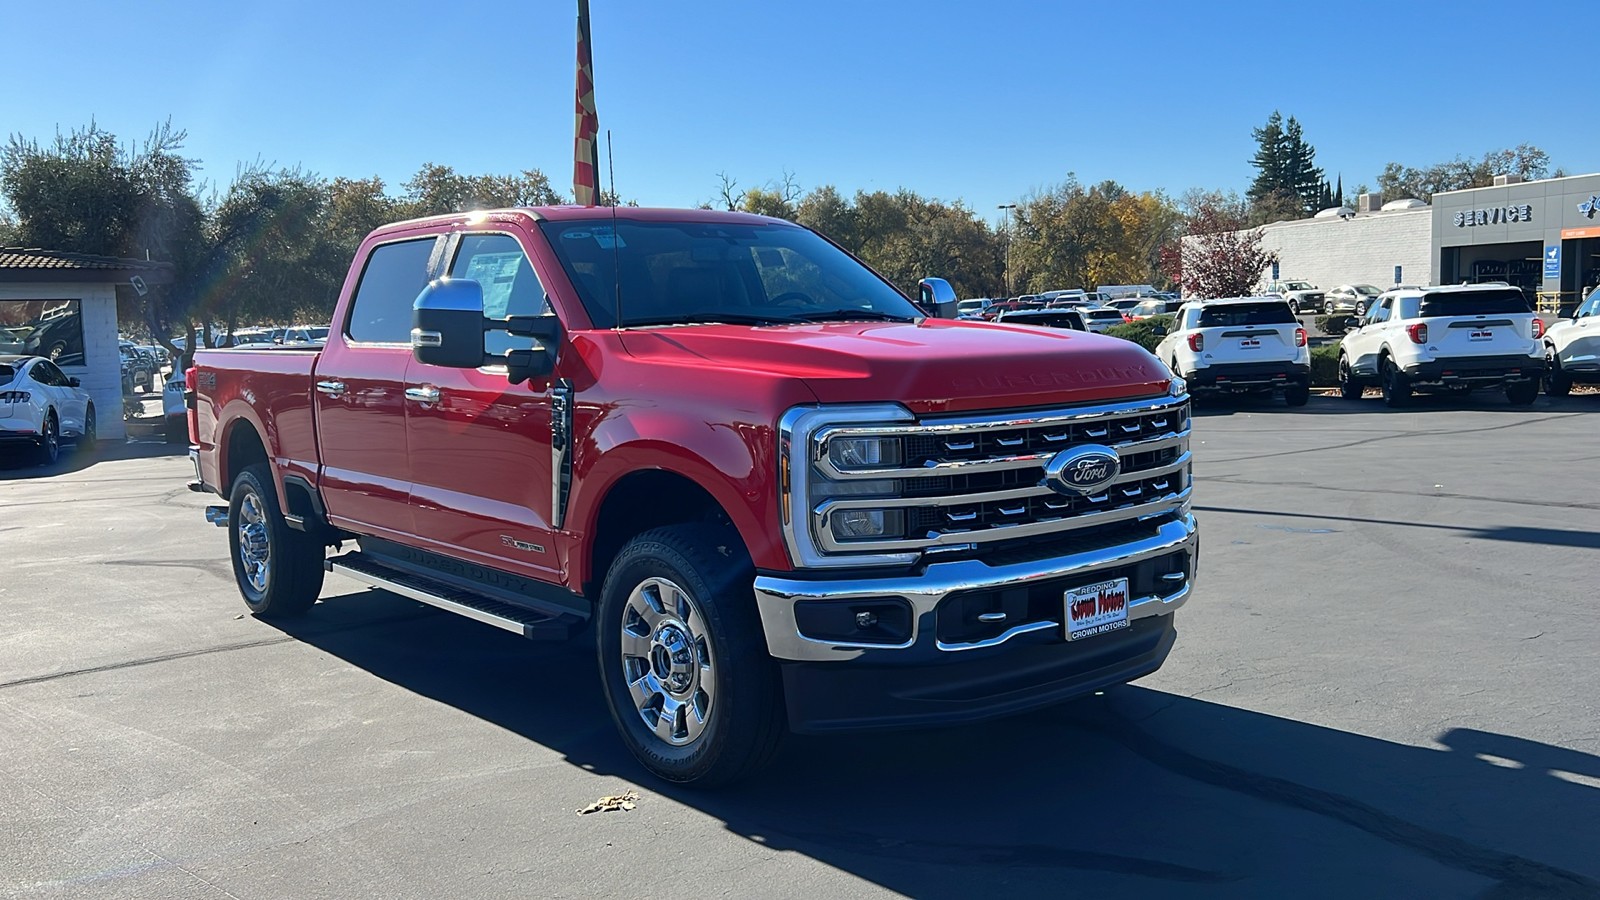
[[267, 390]]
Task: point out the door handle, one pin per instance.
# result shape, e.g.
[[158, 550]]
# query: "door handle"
[[425, 394], [331, 388]]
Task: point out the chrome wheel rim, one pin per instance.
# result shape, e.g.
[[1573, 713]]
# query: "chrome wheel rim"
[[255, 551], [88, 427], [52, 439], [667, 661]]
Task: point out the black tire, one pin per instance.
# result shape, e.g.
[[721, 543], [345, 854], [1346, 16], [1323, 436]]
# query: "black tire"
[[1349, 387], [1327, 307], [91, 433], [48, 451], [175, 430], [1296, 395], [744, 719], [1557, 383], [292, 576], [1522, 393], [1396, 387]]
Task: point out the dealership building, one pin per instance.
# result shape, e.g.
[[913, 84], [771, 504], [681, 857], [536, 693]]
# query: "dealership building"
[[1542, 236]]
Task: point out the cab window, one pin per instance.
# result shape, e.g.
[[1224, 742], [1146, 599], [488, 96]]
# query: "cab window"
[[510, 286], [393, 277]]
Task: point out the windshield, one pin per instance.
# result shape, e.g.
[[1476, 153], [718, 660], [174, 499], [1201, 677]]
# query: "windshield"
[[1367, 290], [1236, 314], [1046, 320], [1103, 314], [681, 272]]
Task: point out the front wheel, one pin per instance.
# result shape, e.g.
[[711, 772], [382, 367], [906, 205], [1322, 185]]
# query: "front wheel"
[[1557, 383], [1349, 388], [1327, 307], [90, 435], [278, 569], [683, 659]]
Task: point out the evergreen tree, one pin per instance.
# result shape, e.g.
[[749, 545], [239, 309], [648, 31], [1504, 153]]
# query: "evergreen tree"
[[1325, 196], [1338, 191], [1270, 160], [1301, 175]]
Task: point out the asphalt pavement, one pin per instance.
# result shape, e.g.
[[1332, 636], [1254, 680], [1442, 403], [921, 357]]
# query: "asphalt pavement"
[[1384, 686]]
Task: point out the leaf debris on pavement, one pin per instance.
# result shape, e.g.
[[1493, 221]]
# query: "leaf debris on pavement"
[[613, 803]]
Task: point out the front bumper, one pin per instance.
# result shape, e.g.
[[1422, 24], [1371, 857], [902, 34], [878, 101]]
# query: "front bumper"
[[947, 667], [1475, 370], [1249, 376]]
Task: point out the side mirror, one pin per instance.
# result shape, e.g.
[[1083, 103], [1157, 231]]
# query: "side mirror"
[[937, 297], [1159, 330], [447, 324], [73, 382]]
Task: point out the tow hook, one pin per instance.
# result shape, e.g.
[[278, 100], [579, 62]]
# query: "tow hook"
[[217, 515]]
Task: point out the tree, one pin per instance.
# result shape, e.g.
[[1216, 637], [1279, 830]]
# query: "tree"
[[1271, 160], [437, 189], [1398, 182], [1222, 255], [1288, 182], [1302, 177]]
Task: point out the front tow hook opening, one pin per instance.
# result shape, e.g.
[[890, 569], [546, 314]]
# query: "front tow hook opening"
[[217, 515]]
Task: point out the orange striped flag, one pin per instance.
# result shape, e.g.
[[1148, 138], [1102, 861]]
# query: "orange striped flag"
[[586, 158]]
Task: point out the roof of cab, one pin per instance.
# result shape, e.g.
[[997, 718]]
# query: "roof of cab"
[[584, 214]]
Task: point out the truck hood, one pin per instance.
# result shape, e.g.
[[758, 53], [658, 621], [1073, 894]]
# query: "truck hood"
[[934, 365]]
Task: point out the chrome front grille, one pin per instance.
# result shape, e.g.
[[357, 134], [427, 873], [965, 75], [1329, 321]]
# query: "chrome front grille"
[[976, 480]]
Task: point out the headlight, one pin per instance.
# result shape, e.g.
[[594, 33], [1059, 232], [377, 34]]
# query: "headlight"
[[849, 453]]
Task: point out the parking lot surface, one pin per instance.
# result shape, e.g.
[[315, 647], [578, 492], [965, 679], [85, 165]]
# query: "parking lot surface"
[[1384, 686]]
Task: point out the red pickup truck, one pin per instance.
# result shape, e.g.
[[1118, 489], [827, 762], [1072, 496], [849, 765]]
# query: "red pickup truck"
[[779, 495]]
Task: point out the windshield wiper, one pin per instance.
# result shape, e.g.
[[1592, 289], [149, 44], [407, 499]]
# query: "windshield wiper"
[[710, 318], [844, 315]]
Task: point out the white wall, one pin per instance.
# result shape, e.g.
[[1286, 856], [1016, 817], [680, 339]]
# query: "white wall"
[[1362, 250], [101, 372]]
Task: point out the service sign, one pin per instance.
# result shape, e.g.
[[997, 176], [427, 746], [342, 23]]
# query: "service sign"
[[1498, 215]]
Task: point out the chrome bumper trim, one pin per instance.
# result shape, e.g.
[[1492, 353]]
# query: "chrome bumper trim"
[[776, 595]]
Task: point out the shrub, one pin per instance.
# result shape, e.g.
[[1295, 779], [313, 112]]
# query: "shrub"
[[1143, 331], [1325, 366], [1334, 324]]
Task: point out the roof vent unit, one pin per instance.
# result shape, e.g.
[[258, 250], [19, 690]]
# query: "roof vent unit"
[[1503, 180], [1369, 203]]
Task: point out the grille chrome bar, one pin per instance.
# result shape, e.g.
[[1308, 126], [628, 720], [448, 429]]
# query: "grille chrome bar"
[[1002, 463], [1033, 490]]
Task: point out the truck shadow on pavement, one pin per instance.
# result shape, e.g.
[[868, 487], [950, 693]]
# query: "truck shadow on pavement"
[[1167, 794], [17, 464]]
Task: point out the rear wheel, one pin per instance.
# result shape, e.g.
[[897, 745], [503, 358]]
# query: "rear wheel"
[[48, 452], [1349, 388], [1557, 383], [1522, 393], [1296, 394], [1396, 387], [1327, 307], [683, 659], [278, 569]]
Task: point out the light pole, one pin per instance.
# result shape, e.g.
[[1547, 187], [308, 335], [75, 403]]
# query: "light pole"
[[1008, 207]]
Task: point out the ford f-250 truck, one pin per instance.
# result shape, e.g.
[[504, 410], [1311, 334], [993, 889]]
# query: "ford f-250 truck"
[[778, 495]]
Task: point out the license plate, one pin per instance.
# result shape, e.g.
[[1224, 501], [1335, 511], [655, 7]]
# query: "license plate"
[[1483, 335], [1097, 608], [1249, 343]]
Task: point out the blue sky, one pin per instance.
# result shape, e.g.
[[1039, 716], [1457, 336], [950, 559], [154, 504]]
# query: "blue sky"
[[977, 101]]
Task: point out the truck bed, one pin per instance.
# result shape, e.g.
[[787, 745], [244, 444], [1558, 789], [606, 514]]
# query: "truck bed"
[[271, 388]]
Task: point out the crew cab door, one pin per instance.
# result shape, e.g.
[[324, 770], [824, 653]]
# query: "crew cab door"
[[360, 392], [480, 447]]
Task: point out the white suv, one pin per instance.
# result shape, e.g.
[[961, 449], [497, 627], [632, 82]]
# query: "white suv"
[[1572, 349], [1240, 345], [1453, 339]]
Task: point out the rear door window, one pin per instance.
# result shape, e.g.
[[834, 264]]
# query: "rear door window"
[[394, 275], [1506, 302], [7, 374], [1234, 315]]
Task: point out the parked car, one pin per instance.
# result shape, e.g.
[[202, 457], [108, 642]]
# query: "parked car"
[[1145, 309], [1356, 298], [1099, 318], [40, 406], [1050, 317], [1572, 349], [136, 366], [58, 336], [964, 308], [1303, 296], [995, 309], [736, 506], [175, 409], [1240, 345], [1445, 339], [1125, 306]]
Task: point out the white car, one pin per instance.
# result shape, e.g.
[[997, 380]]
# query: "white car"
[[1240, 345], [40, 406], [175, 409], [1448, 339], [1572, 349], [1099, 318]]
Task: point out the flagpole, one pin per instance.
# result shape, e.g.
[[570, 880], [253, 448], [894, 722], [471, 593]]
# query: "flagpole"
[[586, 125]]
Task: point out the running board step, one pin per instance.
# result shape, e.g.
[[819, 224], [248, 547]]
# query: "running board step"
[[526, 622]]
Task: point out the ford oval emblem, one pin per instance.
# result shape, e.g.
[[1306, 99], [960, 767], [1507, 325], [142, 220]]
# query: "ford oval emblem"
[[1082, 470]]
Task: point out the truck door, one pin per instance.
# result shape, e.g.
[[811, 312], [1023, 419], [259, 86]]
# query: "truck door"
[[360, 391], [479, 445]]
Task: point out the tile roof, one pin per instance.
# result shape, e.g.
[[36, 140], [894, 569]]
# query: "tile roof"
[[24, 258]]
